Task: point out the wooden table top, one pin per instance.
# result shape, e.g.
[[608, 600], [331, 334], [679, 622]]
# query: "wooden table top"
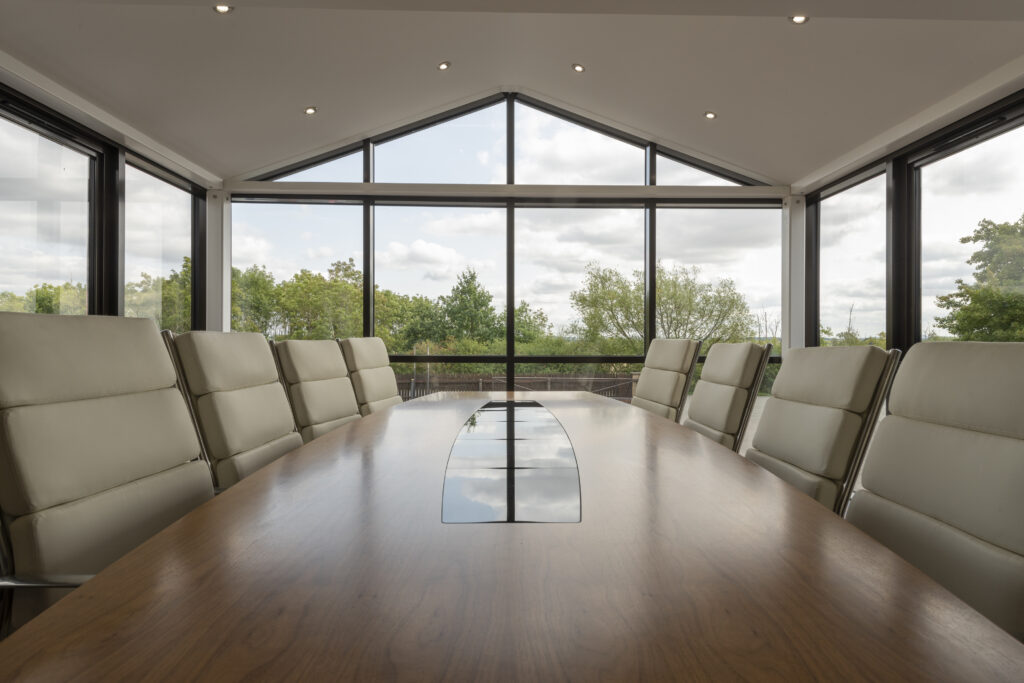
[[689, 563]]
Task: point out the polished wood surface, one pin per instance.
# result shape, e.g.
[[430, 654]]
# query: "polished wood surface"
[[690, 563]]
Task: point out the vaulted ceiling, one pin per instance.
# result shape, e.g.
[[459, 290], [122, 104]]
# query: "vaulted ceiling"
[[222, 96]]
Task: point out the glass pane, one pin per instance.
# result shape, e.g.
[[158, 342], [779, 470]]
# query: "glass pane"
[[44, 214], [672, 172], [295, 270], [346, 169], [420, 379], [852, 289], [553, 151], [720, 275], [614, 380], [157, 251], [469, 149], [972, 240], [579, 281], [440, 278]]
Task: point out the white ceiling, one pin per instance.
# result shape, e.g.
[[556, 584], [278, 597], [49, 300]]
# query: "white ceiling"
[[796, 104]]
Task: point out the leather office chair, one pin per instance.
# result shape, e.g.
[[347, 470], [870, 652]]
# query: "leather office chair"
[[372, 377], [821, 414], [665, 378], [943, 480], [318, 384], [244, 416], [97, 448], [724, 396]]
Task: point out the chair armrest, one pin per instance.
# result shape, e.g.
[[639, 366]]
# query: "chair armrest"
[[54, 581]]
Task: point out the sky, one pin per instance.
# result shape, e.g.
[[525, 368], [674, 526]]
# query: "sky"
[[421, 250]]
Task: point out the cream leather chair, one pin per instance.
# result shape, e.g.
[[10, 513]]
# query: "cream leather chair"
[[97, 448], [665, 378], [318, 385], [943, 480], [820, 417], [372, 377], [240, 404], [724, 396]]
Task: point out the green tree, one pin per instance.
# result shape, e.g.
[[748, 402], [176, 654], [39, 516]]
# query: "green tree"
[[67, 298], [610, 305], [468, 312], [992, 307], [531, 324], [253, 300]]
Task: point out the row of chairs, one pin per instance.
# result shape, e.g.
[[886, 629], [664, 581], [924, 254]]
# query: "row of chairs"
[[106, 437], [939, 479]]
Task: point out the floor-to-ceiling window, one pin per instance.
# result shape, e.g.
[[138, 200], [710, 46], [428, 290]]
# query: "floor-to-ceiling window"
[[852, 264], [44, 223], [157, 251], [474, 289], [972, 242]]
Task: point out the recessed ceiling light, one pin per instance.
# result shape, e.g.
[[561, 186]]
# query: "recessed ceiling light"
[[444, 66], [798, 19], [222, 9], [310, 111], [578, 68], [710, 115]]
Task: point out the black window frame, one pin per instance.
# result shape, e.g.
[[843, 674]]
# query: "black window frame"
[[105, 279], [902, 169]]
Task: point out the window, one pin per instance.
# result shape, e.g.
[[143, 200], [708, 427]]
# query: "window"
[[467, 149], [44, 211], [346, 169], [551, 150], [852, 266], [440, 276], [579, 281], [720, 275], [672, 172], [296, 270], [157, 251], [972, 242]]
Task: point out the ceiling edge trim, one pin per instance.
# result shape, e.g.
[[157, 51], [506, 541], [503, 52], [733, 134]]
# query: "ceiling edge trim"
[[987, 90], [48, 92]]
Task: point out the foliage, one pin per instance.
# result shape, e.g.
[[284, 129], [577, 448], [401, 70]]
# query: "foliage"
[[991, 308], [611, 307]]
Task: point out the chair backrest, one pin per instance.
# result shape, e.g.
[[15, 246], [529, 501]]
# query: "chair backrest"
[[724, 396], [372, 377], [943, 480], [319, 387], [244, 416], [665, 378], [97, 448], [820, 416]]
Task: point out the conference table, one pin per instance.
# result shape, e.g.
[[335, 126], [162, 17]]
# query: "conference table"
[[370, 554]]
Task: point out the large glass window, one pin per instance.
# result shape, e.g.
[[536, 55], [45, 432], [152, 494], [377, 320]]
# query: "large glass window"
[[720, 275], [296, 270], [157, 251], [579, 281], [972, 243], [852, 266], [44, 224], [440, 279], [468, 149], [553, 151]]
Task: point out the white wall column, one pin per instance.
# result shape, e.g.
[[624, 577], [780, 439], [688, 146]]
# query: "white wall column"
[[218, 261], [794, 271]]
